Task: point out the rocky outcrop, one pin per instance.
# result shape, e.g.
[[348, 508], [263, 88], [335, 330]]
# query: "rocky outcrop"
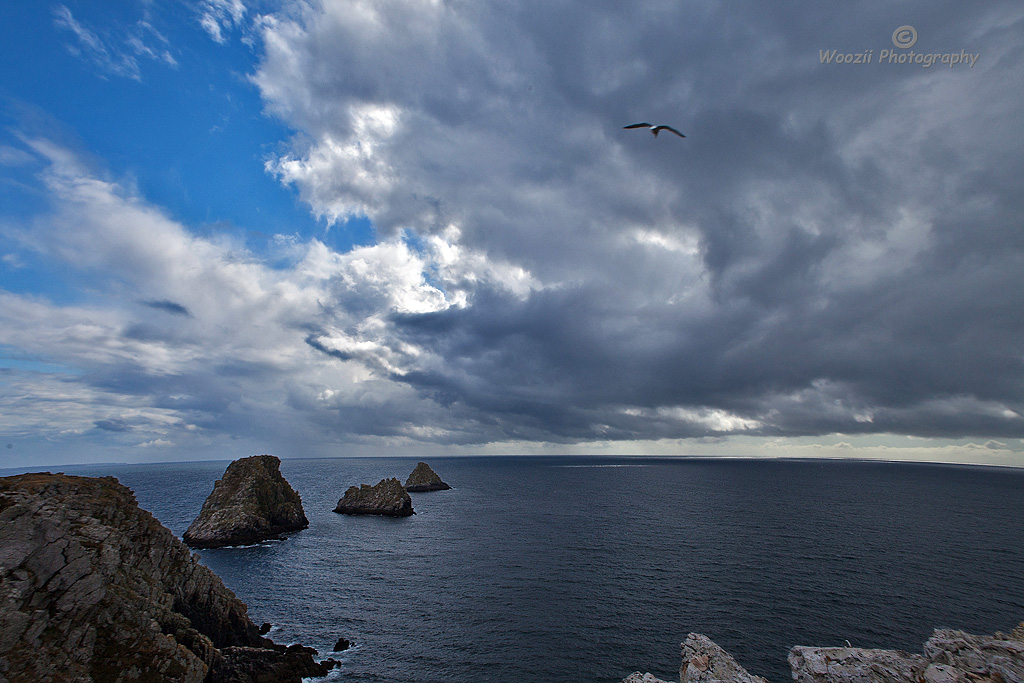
[[704, 661], [92, 588], [388, 497], [849, 664], [424, 479], [994, 657], [250, 503], [949, 657], [262, 665], [638, 677]]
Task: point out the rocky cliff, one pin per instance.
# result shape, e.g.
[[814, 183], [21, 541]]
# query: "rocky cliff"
[[424, 479], [388, 497], [949, 657], [250, 503], [92, 588]]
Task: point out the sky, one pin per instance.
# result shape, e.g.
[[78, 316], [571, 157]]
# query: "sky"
[[408, 227]]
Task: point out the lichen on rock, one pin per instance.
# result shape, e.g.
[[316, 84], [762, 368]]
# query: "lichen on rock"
[[93, 588], [252, 502], [424, 479], [388, 498]]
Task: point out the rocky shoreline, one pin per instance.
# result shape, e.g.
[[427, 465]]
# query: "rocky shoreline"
[[93, 588], [949, 656]]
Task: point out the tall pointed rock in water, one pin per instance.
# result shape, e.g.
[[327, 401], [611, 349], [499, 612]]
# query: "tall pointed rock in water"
[[250, 503], [424, 479]]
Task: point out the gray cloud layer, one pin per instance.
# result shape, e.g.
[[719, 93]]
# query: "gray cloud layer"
[[834, 248]]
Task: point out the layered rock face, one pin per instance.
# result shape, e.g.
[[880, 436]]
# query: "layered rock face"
[[949, 657], [92, 588], [424, 479], [250, 503], [388, 497]]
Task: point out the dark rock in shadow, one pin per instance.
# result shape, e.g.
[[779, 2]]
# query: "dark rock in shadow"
[[261, 665], [424, 479], [388, 498]]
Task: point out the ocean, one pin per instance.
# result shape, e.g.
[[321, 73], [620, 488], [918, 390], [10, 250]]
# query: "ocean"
[[584, 569]]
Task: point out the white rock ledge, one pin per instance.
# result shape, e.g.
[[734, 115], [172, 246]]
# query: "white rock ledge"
[[949, 657]]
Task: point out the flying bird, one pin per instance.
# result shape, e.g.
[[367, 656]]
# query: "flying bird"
[[655, 129]]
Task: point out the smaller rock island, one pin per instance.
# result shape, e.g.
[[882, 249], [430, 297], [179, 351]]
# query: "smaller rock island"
[[424, 479], [250, 503], [388, 498]]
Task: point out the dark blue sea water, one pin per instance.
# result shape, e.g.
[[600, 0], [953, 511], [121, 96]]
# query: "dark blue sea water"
[[581, 570]]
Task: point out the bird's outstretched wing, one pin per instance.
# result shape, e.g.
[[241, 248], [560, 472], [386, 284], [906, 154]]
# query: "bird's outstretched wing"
[[669, 128], [638, 125]]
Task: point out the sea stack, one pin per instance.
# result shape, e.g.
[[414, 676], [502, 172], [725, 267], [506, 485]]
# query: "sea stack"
[[250, 503], [95, 588], [388, 498], [424, 479]]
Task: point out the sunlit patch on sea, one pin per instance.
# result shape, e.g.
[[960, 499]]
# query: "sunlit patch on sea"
[[535, 570]]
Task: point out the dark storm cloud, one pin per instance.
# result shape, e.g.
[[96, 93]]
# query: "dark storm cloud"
[[832, 247]]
